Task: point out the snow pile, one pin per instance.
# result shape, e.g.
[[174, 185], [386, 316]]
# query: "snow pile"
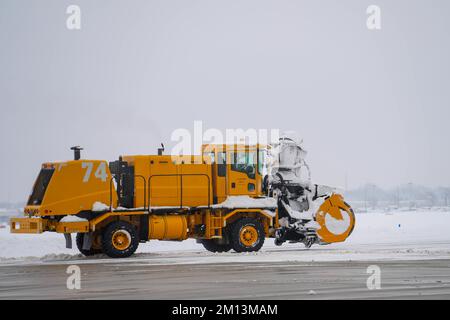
[[247, 202], [270, 212], [72, 218], [31, 245], [401, 228], [99, 207]]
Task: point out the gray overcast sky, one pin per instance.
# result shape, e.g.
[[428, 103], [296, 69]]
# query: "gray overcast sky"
[[370, 104]]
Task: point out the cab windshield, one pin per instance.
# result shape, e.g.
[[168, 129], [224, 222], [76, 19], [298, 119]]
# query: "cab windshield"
[[40, 186]]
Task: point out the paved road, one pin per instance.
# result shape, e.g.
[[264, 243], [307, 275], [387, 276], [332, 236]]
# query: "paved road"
[[137, 279]]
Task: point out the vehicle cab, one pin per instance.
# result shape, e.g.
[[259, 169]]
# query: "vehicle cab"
[[237, 169]]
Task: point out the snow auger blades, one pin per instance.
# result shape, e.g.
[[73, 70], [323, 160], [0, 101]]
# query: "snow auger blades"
[[308, 213]]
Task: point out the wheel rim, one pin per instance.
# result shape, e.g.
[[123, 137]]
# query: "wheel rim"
[[121, 239], [248, 236]]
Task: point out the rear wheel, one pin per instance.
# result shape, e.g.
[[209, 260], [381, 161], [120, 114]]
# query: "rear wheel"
[[79, 241], [247, 235], [213, 246], [119, 239]]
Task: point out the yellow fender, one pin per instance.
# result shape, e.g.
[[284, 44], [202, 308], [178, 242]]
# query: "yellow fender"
[[336, 219]]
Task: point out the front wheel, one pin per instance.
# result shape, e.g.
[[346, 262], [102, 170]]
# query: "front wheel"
[[247, 235], [119, 239]]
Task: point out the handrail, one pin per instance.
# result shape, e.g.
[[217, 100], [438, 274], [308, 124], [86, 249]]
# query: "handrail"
[[123, 174], [147, 187], [110, 192]]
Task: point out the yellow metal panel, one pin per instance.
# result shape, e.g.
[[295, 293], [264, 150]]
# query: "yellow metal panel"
[[27, 225], [196, 184], [164, 182], [72, 227], [258, 211], [94, 222], [75, 186]]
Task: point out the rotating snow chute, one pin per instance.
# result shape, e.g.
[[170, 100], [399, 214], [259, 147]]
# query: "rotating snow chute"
[[336, 219]]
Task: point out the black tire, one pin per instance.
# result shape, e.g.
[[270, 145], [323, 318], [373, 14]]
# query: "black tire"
[[213, 246], [308, 244], [278, 242], [87, 253], [110, 245], [235, 235]]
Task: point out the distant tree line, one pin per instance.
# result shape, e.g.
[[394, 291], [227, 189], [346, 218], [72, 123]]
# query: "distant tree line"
[[407, 195]]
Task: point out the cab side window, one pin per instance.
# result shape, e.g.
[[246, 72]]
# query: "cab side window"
[[244, 162], [210, 155], [221, 164], [262, 168]]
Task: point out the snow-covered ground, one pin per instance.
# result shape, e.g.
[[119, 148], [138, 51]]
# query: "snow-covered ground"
[[402, 235]]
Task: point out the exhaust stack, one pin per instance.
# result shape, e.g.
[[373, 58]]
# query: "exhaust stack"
[[161, 150], [76, 152]]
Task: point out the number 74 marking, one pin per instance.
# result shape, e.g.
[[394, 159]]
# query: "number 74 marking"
[[100, 173]]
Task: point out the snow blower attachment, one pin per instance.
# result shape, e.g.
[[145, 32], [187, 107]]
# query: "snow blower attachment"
[[308, 213], [230, 197]]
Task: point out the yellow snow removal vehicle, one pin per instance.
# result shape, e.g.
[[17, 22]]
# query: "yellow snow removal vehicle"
[[230, 197]]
